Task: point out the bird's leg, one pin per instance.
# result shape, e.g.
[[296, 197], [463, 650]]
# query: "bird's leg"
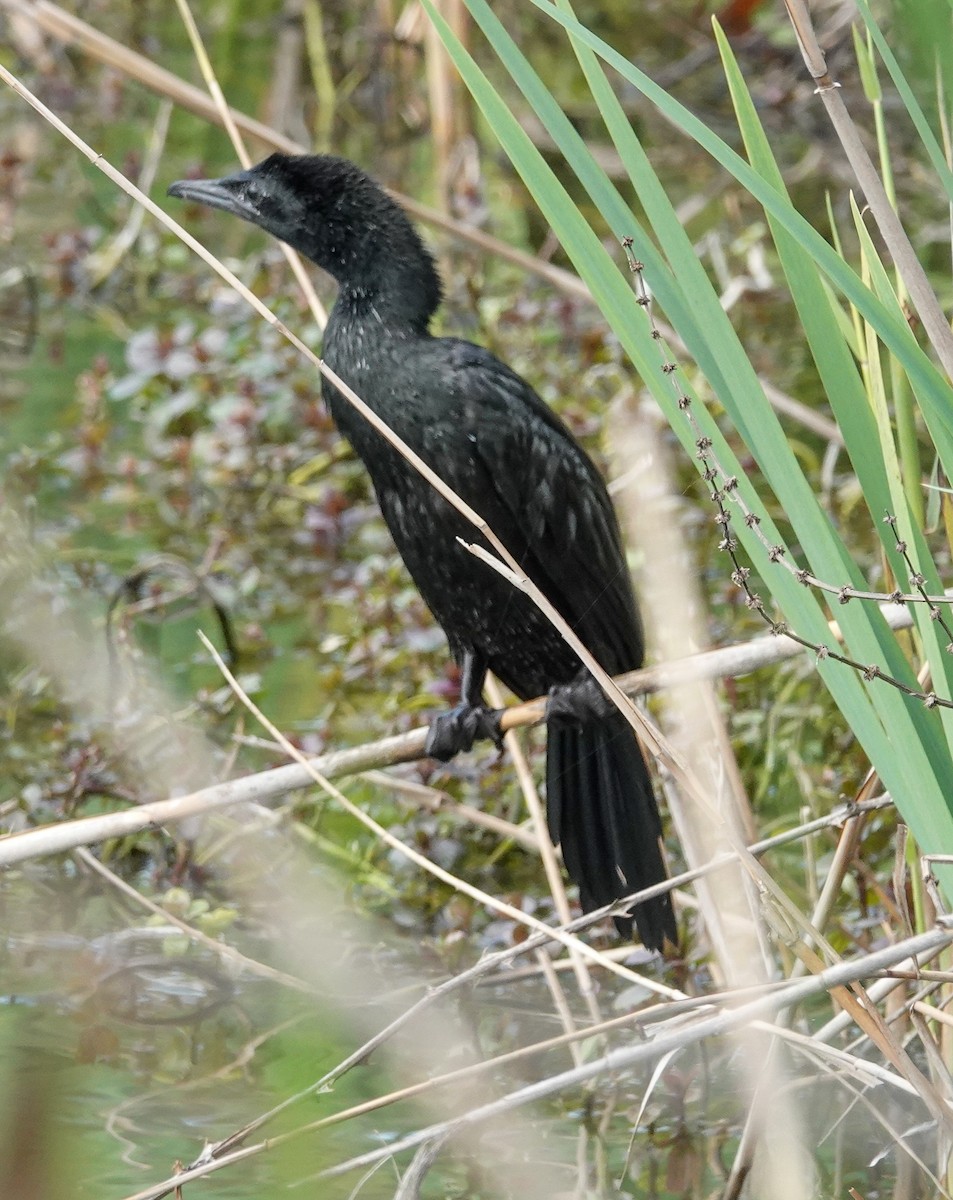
[[581, 701], [459, 728]]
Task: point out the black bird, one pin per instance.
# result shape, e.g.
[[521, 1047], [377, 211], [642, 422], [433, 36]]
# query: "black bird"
[[492, 439]]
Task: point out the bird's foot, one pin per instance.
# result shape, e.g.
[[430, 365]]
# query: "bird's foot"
[[582, 701], [458, 729]]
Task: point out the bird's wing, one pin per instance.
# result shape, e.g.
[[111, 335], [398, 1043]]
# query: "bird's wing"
[[543, 497]]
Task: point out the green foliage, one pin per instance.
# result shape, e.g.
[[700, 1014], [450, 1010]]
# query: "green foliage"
[[907, 744]]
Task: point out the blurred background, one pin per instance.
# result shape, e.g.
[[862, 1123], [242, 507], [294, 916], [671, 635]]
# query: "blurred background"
[[172, 468]]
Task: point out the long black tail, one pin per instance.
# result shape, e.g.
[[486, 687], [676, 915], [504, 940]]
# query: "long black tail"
[[603, 813]]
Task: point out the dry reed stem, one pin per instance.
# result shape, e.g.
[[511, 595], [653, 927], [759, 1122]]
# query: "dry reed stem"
[[777, 999], [622, 1059], [731, 903], [222, 949], [433, 799], [71, 30], [420, 860], [293, 258], [935, 323], [550, 865], [727, 661]]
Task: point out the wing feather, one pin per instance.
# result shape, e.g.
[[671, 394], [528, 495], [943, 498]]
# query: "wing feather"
[[543, 497]]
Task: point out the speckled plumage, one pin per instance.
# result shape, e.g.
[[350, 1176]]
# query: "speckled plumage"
[[489, 436]]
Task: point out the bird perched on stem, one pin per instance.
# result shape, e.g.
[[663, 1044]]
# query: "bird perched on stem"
[[487, 434]]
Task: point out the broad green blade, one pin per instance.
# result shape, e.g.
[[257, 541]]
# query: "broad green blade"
[[904, 742]]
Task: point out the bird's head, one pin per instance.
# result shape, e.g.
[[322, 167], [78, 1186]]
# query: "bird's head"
[[330, 211]]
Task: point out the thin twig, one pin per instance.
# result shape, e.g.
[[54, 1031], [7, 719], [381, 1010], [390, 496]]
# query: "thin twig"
[[631, 1056], [935, 322], [566, 939], [626, 1058], [227, 119], [251, 965], [401, 748], [725, 491]]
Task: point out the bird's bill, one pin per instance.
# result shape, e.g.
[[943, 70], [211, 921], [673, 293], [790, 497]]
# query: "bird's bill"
[[226, 194]]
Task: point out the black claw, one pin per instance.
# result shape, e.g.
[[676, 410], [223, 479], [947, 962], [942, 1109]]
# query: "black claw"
[[457, 730], [490, 727], [584, 701]]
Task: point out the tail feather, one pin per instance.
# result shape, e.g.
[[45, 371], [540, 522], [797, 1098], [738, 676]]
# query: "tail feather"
[[603, 813]]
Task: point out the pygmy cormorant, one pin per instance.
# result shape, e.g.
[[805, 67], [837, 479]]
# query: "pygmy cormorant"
[[492, 439]]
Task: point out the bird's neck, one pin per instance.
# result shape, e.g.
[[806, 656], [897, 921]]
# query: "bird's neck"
[[385, 273], [376, 308], [395, 296], [369, 329]]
